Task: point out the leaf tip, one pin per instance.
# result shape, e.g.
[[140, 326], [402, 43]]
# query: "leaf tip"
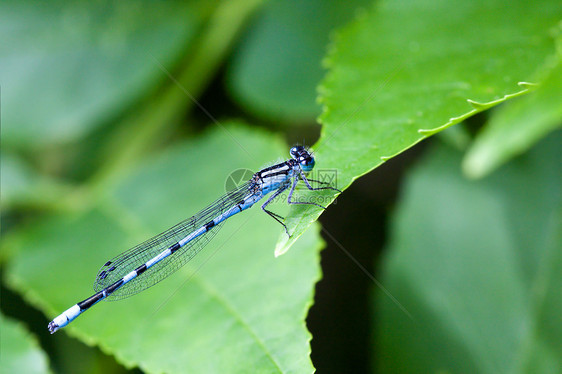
[[527, 85], [284, 244], [476, 163], [478, 106]]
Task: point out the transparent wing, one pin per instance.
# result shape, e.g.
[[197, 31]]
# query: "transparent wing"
[[114, 269]]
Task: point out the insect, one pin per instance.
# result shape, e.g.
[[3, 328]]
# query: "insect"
[[153, 260]]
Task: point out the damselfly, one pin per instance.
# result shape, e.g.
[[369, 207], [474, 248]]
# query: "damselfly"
[[148, 263]]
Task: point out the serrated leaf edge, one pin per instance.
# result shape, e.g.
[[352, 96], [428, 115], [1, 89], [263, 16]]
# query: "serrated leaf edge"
[[479, 107]]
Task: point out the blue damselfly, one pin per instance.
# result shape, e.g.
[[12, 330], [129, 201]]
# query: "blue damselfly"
[[153, 260]]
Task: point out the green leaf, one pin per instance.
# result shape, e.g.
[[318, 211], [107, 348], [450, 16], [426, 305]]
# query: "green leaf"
[[243, 309], [68, 66], [476, 263], [407, 70], [275, 71], [516, 127], [20, 351]]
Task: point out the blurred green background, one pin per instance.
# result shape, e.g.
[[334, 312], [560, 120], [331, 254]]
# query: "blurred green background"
[[121, 119]]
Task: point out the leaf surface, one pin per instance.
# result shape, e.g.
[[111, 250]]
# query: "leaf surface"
[[243, 308], [20, 351], [66, 67], [476, 263], [514, 128], [409, 69]]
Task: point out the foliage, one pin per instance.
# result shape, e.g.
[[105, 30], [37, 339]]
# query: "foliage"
[[20, 351], [390, 86], [482, 260], [115, 127]]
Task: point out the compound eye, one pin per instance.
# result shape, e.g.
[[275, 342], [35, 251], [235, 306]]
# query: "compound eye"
[[307, 163], [294, 152]]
